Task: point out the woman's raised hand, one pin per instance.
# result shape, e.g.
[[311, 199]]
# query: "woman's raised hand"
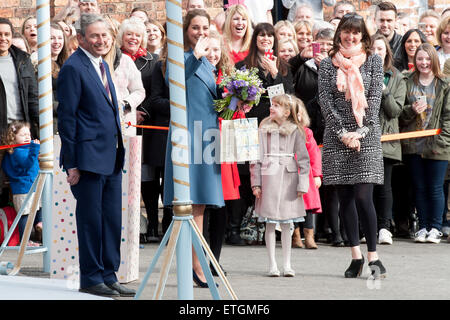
[[202, 47]]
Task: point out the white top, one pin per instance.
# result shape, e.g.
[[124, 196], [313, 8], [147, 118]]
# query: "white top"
[[258, 9], [442, 57]]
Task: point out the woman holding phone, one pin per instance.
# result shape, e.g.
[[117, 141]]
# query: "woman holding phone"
[[428, 107]]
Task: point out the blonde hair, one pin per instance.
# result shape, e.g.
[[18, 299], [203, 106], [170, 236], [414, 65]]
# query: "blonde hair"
[[285, 23], [231, 11], [225, 63], [441, 28], [136, 25], [291, 41], [295, 106], [9, 136], [302, 23]]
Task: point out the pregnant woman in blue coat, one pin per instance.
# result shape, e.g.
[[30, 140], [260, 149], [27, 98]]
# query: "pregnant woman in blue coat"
[[204, 165]]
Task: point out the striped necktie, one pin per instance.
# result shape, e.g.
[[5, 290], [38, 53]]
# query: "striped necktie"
[[105, 79]]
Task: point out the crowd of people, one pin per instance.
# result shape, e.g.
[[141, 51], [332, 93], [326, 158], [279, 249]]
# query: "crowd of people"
[[347, 81]]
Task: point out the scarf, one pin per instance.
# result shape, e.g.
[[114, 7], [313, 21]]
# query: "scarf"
[[140, 53], [349, 79]]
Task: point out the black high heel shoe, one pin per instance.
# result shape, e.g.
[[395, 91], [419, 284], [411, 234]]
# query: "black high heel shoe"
[[377, 269], [199, 282], [355, 268]]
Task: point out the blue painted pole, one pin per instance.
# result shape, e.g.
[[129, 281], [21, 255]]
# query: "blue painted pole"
[[180, 145], [45, 121]]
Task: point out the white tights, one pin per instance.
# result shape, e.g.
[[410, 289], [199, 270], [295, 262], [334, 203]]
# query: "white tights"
[[286, 244]]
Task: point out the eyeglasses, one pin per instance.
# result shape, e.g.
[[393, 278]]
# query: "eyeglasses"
[[352, 15]]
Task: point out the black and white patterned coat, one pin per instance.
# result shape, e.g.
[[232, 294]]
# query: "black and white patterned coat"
[[342, 165]]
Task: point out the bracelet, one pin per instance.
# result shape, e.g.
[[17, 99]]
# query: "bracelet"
[[254, 187]]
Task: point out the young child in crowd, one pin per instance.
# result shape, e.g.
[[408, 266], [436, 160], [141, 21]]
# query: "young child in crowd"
[[281, 177], [21, 166], [312, 197]]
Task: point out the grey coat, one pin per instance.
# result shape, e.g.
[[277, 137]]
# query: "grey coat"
[[342, 165], [392, 101], [279, 175]]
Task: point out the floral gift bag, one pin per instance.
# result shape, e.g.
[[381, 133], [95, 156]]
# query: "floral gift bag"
[[239, 140]]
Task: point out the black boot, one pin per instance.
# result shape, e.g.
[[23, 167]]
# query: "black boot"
[[235, 239], [355, 268]]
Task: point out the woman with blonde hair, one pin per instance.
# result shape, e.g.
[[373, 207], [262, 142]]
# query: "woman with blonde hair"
[[285, 29], [443, 38], [237, 32], [29, 31]]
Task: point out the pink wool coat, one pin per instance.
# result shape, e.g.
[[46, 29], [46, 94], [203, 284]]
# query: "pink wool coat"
[[279, 173], [312, 198]]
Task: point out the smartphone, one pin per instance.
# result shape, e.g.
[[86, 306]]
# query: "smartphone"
[[269, 54], [422, 99], [315, 48]]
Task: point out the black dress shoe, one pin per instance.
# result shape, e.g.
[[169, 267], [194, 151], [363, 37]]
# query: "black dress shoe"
[[100, 290], [199, 282], [123, 291], [377, 269], [355, 268]]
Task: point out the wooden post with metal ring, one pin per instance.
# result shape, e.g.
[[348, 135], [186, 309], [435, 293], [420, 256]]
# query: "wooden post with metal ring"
[[183, 231]]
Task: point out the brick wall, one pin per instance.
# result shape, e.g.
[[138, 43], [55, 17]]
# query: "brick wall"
[[17, 10]]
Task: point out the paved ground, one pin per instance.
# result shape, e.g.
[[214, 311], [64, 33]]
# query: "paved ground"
[[415, 271]]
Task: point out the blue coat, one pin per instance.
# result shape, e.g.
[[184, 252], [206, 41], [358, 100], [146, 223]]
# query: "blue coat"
[[22, 167], [205, 177], [89, 135]]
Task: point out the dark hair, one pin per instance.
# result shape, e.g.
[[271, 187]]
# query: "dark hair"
[[386, 6], [388, 60], [252, 60], [191, 14], [351, 21], [8, 22], [64, 54], [401, 62]]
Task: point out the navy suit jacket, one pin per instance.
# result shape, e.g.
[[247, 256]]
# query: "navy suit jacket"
[[88, 121]]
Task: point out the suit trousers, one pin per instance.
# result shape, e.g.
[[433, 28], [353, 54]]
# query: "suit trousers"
[[99, 223]]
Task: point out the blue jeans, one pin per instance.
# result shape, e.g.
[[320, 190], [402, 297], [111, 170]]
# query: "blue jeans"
[[428, 183], [23, 222]]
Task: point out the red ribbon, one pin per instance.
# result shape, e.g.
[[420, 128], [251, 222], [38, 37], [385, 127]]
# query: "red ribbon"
[[147, 127], [13, 146]]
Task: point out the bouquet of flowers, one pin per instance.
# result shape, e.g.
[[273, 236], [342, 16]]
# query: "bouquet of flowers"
[[241, 87]]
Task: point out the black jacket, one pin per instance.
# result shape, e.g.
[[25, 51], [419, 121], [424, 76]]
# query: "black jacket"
[[146, 66], [261, 110], [306, 89], [155, 148], [28, 89], [395, 44]]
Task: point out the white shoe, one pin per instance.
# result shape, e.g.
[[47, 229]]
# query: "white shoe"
[[384, 237], [288, 273], [274, 273], [421, 235], [362, 240], [434, 236]]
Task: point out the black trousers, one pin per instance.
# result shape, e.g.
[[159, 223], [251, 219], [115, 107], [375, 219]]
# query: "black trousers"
[[382, 196], [150, 193], [214, 226], [357, 205]]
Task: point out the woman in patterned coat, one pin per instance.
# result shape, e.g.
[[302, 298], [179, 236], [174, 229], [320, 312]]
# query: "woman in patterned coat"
[[350, 87]]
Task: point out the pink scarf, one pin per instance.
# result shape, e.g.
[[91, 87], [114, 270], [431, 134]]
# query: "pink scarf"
[[349, 79]]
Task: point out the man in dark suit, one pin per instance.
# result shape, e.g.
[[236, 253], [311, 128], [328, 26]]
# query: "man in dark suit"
[[92, 153]]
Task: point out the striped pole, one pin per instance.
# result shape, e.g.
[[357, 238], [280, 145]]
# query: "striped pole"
[[45, 121], [180, 147]]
